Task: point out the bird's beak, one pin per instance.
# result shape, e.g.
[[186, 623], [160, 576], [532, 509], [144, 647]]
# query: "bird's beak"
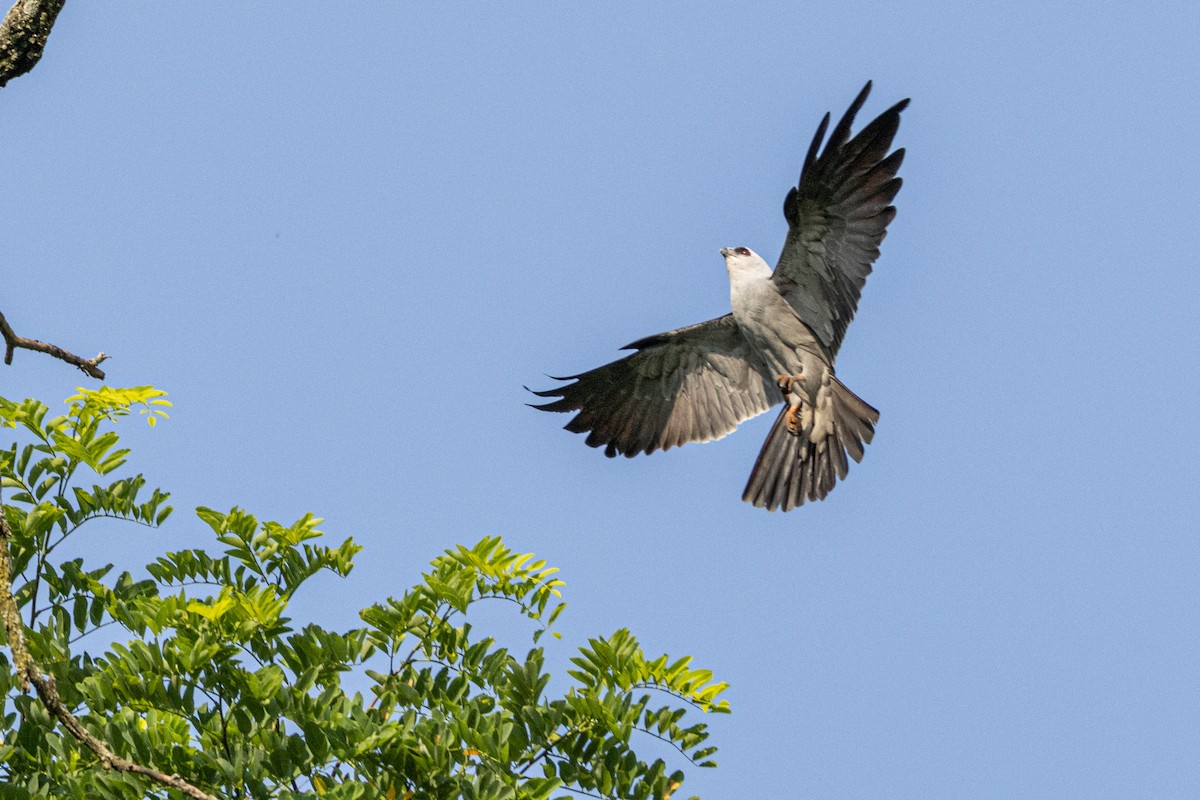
[[725, 251]]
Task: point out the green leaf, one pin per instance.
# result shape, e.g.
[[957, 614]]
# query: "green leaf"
[[199, 669]]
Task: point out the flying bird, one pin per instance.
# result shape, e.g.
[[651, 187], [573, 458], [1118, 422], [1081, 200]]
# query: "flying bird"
[[697, 383]]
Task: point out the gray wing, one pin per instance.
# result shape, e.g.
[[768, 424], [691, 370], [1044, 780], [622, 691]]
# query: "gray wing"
[[691, 384], [837, 216]]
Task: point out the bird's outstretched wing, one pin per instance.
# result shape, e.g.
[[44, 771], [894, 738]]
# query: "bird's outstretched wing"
[[837, 216], [691, 384]]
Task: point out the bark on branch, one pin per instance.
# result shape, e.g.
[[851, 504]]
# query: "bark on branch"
[[28, 673], [23, 35], [12, 342]]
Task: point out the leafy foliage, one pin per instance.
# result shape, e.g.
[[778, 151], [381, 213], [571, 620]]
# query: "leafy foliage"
[[206, 675]]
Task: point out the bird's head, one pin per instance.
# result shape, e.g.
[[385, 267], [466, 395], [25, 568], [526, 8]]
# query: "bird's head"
[[744, 261]]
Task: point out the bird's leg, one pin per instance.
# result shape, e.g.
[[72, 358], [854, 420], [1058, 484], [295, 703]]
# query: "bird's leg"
[[785, 382], [795, 400], [793, 418]]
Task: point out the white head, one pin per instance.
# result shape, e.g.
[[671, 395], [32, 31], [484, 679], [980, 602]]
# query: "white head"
[[744, 262]]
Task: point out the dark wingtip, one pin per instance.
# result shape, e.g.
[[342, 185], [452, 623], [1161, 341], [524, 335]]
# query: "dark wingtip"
[[821, 149], [867, 90], [558, 404], [862, 95], [813, 148], [556, 378], [646, 341], [841, 133], [550, 407]]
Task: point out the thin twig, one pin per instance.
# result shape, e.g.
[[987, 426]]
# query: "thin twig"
[[12, 342], [548, 749], [28, 673]]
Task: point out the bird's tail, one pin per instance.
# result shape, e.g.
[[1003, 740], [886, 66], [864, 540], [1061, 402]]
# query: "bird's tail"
[[804, 462]]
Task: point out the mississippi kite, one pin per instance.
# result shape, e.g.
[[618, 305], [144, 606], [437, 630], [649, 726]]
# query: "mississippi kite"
[[697, 383]]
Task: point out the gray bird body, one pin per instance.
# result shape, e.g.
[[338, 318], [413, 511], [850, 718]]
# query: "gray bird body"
[[784, 344], [779, 344]]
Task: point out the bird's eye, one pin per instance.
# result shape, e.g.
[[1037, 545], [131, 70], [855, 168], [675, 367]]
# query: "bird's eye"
[[741, 251]]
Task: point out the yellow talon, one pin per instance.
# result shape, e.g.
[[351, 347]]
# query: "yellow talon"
[[793, 420]]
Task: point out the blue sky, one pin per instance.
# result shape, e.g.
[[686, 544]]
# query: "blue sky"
[[343, 243]]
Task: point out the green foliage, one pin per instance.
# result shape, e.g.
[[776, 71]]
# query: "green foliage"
[[206, 676]]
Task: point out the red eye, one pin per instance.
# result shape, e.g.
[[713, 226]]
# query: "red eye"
[[741, 251]]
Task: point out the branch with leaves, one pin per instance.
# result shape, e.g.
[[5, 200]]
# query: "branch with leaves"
[[218, 684], [28, 673], [79, 433]]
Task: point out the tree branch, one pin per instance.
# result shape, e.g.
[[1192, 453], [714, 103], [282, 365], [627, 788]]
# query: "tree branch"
[[28, 673], [23, 35], [12, 342]]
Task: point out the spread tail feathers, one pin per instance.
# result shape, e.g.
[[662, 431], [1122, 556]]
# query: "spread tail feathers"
[[800, 466]]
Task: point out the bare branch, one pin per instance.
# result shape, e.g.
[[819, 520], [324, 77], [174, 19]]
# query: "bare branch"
[[28, 673], [12, 342], [23, 35]]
